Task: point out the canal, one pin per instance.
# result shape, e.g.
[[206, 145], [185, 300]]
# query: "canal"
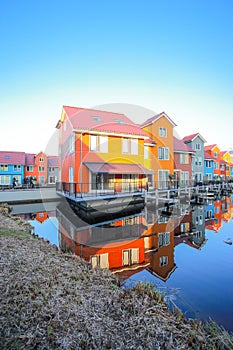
[[185, 252]]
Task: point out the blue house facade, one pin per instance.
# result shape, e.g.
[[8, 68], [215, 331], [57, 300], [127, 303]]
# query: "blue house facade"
[[208, 167], [196, 142], [11, 167]]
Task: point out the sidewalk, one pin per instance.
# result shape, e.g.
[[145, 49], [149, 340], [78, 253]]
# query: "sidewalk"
[[30, 195]]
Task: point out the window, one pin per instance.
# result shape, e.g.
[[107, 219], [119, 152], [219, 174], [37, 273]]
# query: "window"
[[93, 143], [130, 256], [215, 155], [184, 227], [184, 158], [30, 168], [129, 146], [17, 167], [146, 153], [215, 165], [100, 260], [51, 169], [99, 143], [163, 260], [208, 177], [163, 153], [164, 239], [41, 168], [71, 174], [5, 180], [72, 143], [198, 146], [134, 146], [96, 119], [103, 144], [163, 132], [209, 214], [119, 121], [208, 163], [41, 159], [3, 167], [41, 180], [163, 176]]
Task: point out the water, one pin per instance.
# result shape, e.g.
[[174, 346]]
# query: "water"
[[183, 254]]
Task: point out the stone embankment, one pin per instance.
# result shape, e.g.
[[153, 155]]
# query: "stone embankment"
[[51, 300]]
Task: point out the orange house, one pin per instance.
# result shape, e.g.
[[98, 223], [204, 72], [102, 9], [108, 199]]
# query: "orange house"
[[101, 150], [160, 129], [37, 167], [159, 247], [117, 245]]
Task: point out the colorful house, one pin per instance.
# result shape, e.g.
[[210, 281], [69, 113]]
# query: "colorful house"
[[42, 168], [196, 142], [53, 169], [214, 151], [160, 130], [117, 245], [208, 167], [101, 151], [225, 166], [182, 163], [11, 166]]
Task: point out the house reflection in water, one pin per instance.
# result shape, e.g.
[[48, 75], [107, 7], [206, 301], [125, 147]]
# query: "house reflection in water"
[[142, 241], [221, 210], [125, 245]]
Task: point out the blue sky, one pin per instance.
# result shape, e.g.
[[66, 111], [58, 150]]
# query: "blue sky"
[[172, 56]]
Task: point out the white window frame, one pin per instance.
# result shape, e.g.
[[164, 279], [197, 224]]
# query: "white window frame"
[[17, 167], [99, 143], [72, 143], [184, 158], [103, 144], [134, 146], [3, 167], [162, 132], [163, 153], [164, 239], [146, 152], [93, 143], [5, 180], [198, 147], [163, 260]]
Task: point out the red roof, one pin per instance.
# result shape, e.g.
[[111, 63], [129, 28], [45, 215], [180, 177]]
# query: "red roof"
[[222, 153], [180, 146], [156, 117], [95, 120], [192, 137], [208, 156], [53, 161], [117, 168], [210, 147], [17, 158], [29, 159]]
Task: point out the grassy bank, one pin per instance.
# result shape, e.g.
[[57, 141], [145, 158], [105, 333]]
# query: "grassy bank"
[[52, 300]]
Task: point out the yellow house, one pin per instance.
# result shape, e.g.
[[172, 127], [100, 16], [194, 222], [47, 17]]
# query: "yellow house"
[[160, 130], [225, 155], [101, 150]]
